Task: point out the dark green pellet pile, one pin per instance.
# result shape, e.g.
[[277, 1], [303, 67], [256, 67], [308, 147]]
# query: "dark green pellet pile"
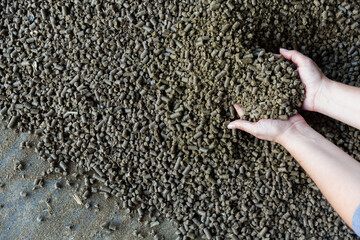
[[137, 95]]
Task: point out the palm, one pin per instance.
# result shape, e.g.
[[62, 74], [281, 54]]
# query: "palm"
[[270, 129], [266, 129]]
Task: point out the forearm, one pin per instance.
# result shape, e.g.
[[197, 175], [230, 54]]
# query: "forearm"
[[336, 174], [341, 102]]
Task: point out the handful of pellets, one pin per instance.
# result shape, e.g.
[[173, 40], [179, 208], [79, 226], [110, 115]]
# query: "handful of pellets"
[[272, 88]]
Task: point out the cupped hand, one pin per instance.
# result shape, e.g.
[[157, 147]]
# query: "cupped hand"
[[310, 74], [266, 129]]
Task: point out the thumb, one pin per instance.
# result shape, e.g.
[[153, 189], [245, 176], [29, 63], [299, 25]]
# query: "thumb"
[[243, 125], [296, 57]]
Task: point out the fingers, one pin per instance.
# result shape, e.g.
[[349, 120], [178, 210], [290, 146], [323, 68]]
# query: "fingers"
[[239, 110], [243, 125], [298, 58]]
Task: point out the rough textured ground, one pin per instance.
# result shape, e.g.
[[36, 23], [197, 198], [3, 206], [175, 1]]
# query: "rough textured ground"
[[19, 214]]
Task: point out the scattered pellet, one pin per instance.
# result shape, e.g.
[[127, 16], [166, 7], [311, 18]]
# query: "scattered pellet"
[[69, 227], [186, 170], [220, 75], [13, 121], [57, 185], [263, 232], [77, 199], [207, 233], [40, 219], [154, 224], [23, 194]]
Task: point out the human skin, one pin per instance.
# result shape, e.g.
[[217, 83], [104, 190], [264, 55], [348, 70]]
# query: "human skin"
[[336, 174]]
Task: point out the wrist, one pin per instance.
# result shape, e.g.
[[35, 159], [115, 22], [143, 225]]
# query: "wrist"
[[295, 130], [322, 95]]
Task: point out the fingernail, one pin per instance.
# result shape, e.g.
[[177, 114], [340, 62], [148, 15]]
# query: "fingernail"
[[231, 126], [283, 49]]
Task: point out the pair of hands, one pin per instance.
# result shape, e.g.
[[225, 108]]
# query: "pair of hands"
[[274, 130]]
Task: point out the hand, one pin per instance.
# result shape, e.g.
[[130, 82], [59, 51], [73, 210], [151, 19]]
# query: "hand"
[[266, 129], [310, 74]]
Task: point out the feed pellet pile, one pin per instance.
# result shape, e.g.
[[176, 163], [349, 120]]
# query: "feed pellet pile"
[[136, 95]]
